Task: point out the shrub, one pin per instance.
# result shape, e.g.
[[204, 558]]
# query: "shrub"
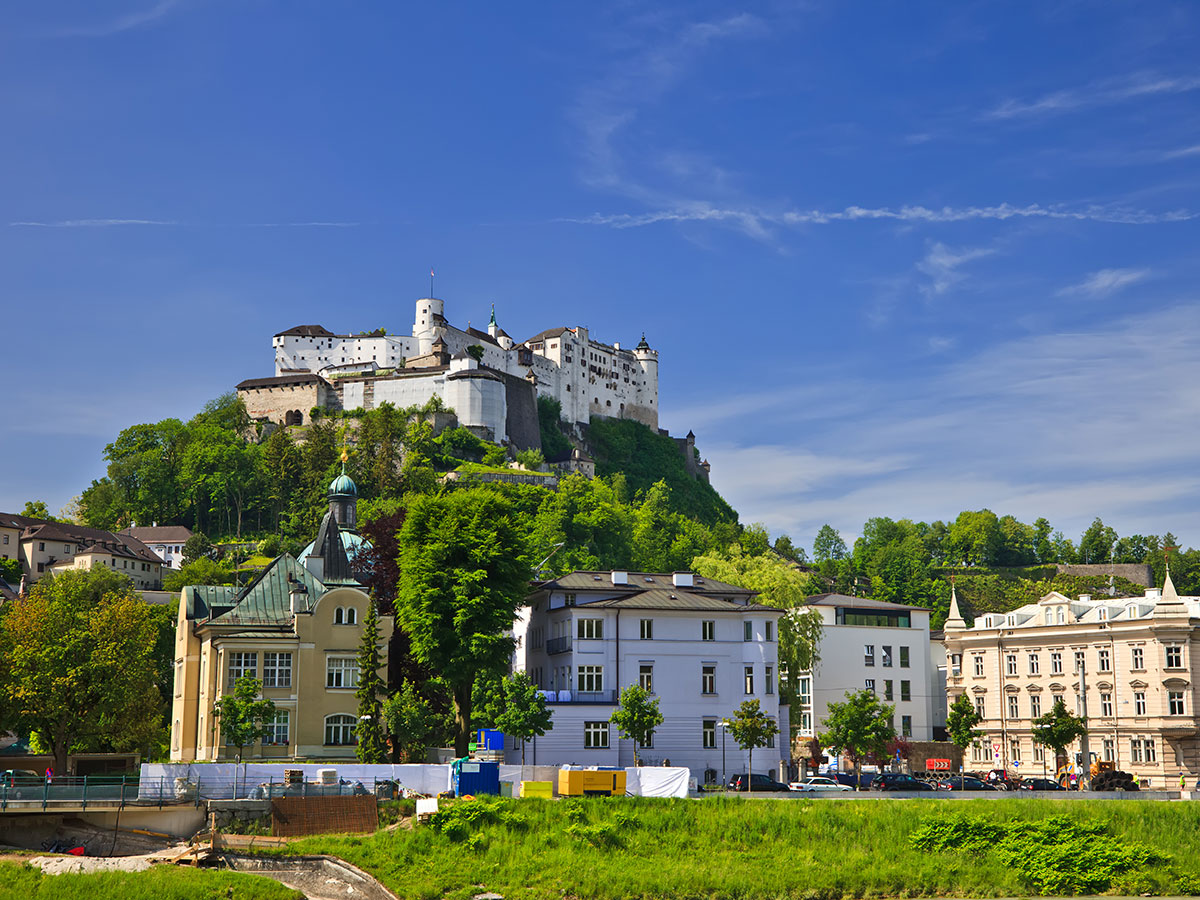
[[270, 546], [531, 459]]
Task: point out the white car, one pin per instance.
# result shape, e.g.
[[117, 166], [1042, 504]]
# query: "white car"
[[818, 783]]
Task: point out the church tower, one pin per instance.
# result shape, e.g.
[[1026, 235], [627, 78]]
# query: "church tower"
[[343, 500]]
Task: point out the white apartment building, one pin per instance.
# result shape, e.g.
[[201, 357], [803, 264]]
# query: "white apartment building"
[[874, 645], [702, 647], [1125, 663], [165, 540]]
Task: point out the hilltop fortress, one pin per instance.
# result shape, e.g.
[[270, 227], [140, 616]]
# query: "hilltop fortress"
[[490, 381]]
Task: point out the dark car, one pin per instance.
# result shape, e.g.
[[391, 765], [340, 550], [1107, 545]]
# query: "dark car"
[[1040, 784], [898, 781], [757, 783], [998, 778], [963, 783], [854, 779]]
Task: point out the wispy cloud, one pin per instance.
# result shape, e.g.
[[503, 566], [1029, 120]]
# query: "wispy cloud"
[[942, 264], [119, 223], [1182, 152], [759, 220], [1104, 282], [1099, 93], [137, 19]]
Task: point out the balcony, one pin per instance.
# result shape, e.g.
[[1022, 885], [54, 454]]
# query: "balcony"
[[558, 645], [608, 697]]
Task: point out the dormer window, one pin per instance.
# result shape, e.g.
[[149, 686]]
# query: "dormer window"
[[1062, 615], [1012, 620], [1102, 614]]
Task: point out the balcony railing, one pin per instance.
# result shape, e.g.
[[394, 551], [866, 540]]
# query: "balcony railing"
[[580, 696], [558, 645]]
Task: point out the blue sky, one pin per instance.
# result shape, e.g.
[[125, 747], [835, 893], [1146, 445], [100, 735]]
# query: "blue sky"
[[898, 258]]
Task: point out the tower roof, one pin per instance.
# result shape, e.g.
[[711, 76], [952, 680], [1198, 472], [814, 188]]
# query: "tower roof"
[[642, 345], [493, 319], [954, 619]]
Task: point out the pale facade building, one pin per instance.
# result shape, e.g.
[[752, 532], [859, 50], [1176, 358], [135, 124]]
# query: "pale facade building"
[[42, 547], [165, 540], [873, 645], [701, 647], [297, 628], [1126, 663]]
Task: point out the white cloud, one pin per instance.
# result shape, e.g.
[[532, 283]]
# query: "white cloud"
[[1100, 93], [1104, 282], [941, 264], [1182, 152]]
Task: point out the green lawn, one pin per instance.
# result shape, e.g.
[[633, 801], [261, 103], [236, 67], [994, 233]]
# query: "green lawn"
[[750, 849], [22, 882]]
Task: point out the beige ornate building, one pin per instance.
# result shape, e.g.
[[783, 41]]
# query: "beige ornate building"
[[1126, 663], [297, 628]]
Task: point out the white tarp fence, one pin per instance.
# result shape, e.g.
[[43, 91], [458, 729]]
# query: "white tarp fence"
[[216, 781]]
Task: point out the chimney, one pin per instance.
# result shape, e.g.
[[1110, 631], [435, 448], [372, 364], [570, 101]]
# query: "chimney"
[[619, 577], [1085, 598], [682, 579], [296, 593]]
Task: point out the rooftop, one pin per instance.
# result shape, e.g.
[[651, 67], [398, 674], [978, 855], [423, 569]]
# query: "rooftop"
[[859, 603]]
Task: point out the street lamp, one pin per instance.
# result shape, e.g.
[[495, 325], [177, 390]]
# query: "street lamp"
[[723, 724]]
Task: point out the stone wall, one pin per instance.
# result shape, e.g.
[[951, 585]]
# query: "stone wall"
[[522, 414], [276, 402], [1138, 573]]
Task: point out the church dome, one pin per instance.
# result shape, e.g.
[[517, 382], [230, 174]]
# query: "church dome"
[[344, 486]]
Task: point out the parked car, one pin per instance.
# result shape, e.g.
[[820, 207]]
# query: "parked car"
[[898, 781], [1040, 784], [854, 780], [963, 783], [757, 783], [999, 779], [818, 783], [9, 777]]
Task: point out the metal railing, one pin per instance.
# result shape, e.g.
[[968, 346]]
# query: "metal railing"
[[558, 645]]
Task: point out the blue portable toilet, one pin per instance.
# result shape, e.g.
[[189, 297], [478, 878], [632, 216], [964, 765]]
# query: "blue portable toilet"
[[469, 776]]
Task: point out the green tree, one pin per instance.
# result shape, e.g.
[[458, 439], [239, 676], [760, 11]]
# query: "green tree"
[[828, 545], [79, 659], [751, 728], [784, 547], [525, 715], [37, 509], [1059, 728], [463, 575], [411, 721], [197, 547], [369, 731], [859, 727], [201, 571], [636, 717], [1096, 545], [10, 571], [555, 445], [975, 538], [101, 506], [244, 716], [224, 472], [1043, 548], [961, 719]]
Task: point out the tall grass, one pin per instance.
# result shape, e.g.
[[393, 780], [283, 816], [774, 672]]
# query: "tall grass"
[[740, 849], [23, 882]]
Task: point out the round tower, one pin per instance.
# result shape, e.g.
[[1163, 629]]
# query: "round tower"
[[648, 390], [430, 315], [343, 500]]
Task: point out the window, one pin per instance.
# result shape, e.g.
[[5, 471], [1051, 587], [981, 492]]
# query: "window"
[[1175, 703], [67, 549], [41, 546], [1110, 750], [771, 741], [277, 728], [887, 690], [870, 685], [590, 679], [339, 730], [1135, 750], [341, 672], [904, 657], [1139, 658], [345, 615], [1151, 751], [1035, 705], [1174, 656], [979, 710], [747, 630], [647, 629], [1039, 753], [979, 752], [769, 628], [887, 657], [1034, 664], [1010, 664], [708, 734], [805, 691], [906, 726], [1079, 664], [568, 599], [708, 679], [595, 735], [869, 655], [1055, 699], [277, 670], [749, 680], [591, 629], [769, 679], [978, 658], [956, 664], [905, 690], [1139, 703], [646, 678], [1013, 711], [708, 631], [1056, 663], [242, 664], [1014, 750], [1106, 705], [1103, 662], [1062, 615], [806, 723]]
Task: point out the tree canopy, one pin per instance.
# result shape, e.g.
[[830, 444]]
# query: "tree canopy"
[[636, 717], [860, 727]]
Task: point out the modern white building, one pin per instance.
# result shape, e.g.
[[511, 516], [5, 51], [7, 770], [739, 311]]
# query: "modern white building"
[[702, 647], [165, 540], [871, 644]]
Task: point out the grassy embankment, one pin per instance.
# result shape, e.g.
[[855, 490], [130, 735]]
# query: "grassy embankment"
[[23, 882], [750, 849]]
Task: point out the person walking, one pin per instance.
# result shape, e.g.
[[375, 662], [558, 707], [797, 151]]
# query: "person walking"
[[1182, 781]]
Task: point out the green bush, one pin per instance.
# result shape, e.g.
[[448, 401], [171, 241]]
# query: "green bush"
[[495, 456], [270, 546], [531, 459]]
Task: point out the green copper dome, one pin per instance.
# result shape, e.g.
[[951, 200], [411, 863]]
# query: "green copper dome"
[[344, 486]]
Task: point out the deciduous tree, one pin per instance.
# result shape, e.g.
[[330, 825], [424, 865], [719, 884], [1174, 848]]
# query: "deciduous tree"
[[636, 717], [1059, 728], [961, 720], [525, 714], [859, 727], [244, 716], [751, 728]]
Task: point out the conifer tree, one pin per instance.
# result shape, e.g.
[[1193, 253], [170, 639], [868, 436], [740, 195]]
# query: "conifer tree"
[[369, 730]]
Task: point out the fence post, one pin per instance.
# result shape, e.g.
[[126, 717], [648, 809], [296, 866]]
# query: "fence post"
[[45, 793], [121, 804], [85, 782]]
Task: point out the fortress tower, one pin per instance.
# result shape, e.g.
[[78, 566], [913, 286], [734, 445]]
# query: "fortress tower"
[[430, 314]]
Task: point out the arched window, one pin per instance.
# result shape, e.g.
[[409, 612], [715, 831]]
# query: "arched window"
[[339, 616], [351, 615], [339, 730]]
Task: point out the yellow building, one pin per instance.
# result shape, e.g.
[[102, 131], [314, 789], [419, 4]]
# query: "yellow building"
[[297, 628]]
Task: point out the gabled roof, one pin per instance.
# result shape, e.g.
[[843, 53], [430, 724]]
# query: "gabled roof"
[[548, 333], [267, 599], [858, 602], [581, 580], [482, 335], [304, 377], [167, 534], [679, 599], [328, 545], [308, 331]]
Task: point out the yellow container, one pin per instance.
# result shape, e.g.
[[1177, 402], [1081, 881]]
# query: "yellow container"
[[582, 782], [543, 789]]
